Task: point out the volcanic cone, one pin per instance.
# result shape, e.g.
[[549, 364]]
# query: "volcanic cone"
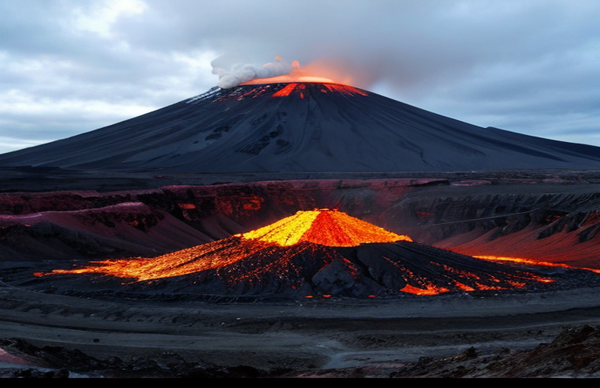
[[315, 253]]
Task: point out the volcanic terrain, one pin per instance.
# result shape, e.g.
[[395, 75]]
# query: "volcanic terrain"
[[312, 254], [298, 229]]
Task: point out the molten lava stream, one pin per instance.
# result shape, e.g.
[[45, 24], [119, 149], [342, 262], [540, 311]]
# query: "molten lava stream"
[[532, 262], [286, 91]]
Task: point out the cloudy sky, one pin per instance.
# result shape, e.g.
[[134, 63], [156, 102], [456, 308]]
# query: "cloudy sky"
[[72, 66]]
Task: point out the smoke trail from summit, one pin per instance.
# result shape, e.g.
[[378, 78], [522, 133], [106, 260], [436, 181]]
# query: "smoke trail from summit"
[[240, 73]]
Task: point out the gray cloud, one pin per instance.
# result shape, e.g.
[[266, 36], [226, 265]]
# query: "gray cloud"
[[527, 66], [231, 75]]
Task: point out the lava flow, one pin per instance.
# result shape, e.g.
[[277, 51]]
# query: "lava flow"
[[318, 252], [298, 89]]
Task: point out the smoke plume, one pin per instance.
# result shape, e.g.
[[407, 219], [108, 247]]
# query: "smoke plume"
[[240, 73]]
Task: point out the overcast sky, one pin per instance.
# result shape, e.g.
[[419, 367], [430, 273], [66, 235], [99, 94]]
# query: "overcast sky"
[[528, 66]]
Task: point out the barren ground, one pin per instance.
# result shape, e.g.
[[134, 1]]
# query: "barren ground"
[[331, 337], [340, 337]]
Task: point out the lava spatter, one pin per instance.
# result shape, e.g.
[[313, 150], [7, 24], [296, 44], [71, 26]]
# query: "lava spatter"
[[318, 252]]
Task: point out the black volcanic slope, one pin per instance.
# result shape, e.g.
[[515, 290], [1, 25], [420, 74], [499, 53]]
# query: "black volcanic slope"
[[306, 127]]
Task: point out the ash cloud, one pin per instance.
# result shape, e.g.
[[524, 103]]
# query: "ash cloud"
[[231, 76]]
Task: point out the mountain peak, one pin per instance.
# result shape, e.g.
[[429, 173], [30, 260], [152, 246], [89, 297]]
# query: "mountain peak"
[[306, 127], [324, 227]]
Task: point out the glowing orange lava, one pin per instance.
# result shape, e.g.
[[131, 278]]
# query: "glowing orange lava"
[[325, 227], [299, 89], [286, 91], [328, 228], [531, 261], [199, 258], [427, 290]]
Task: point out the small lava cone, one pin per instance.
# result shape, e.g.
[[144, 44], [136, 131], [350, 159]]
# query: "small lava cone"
[[318, 253]]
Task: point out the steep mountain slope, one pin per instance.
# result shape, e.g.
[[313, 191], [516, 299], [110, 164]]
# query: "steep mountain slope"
[[300, 127]]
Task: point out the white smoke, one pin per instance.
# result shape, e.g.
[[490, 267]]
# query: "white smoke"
[[240, 73]]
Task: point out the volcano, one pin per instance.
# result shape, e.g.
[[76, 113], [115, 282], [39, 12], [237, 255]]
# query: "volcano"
[[313, 253], [300, 127]]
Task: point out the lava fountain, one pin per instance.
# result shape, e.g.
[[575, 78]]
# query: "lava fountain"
[[321, 252]]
